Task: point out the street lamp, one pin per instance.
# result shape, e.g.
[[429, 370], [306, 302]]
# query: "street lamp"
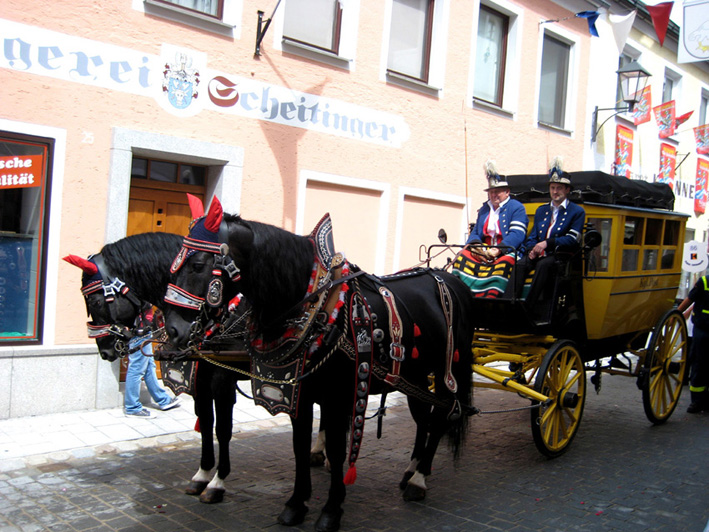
[[633, 79]]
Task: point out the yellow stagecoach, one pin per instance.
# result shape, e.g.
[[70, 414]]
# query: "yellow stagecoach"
[[609, 309]]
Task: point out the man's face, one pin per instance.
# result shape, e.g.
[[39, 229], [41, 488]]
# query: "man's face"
[[497, 196], [558, 192]]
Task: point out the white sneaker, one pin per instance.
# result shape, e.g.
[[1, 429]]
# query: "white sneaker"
[[143, 414], [175, 402]]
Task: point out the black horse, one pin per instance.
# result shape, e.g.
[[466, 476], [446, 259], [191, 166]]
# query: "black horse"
[[319, 328], [117, 283]]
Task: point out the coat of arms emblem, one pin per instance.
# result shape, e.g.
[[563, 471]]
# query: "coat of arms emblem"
[[180, 81]]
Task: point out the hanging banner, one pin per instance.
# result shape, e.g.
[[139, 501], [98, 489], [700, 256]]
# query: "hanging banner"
[[700, 190], [668, 159], [641, 112], [701, 135], [694, 32], [623, 151], [665, 118]]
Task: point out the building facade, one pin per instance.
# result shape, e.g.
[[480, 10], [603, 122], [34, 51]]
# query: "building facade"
[[381, 112]]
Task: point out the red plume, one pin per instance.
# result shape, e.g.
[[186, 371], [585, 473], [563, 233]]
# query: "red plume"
[[196, 207], [214, 216], [89, 268]]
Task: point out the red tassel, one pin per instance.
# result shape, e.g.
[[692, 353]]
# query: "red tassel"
[[417, 331], [351, 475], [456, 356], [414, 353], [196, 426]]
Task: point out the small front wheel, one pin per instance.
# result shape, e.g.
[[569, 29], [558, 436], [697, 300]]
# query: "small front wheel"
[[562, 378], [665, 364]]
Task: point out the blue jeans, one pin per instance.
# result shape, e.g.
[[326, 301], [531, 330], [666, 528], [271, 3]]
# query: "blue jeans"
[[140, 367]]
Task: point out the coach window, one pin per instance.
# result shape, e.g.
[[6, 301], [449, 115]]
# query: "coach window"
[[600, 255], [632, 240], [314, 23], [24, 198]]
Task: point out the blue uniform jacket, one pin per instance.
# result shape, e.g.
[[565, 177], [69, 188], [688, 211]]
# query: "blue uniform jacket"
[[513, 224], [567, 229]]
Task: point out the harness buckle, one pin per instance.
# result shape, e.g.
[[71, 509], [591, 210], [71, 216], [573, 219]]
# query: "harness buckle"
[[113, 288], [232, 270], [397, 351]]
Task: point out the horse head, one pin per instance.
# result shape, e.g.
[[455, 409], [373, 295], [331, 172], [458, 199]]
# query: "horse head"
[[111, 310], [206, 274]]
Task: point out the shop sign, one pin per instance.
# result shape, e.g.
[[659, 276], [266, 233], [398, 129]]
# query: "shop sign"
[[21, 171], [180, 81]]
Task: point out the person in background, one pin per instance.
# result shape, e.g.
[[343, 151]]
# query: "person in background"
[[698, 353], [502, 221], [557, 225], [141, 366]]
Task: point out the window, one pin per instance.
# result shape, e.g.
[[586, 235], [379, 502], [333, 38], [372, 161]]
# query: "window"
[[24, 195], [314, 22], [491, 53], [670, 86], [600, 256], [553, 89], [211, 8], [704, 101], [168, 172], [410, 38]]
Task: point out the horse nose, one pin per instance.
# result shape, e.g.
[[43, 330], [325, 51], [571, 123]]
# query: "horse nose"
[[108, 354]]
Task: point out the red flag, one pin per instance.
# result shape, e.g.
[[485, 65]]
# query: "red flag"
[[660, 18], [682, 119], [665, 118], [701, 135]]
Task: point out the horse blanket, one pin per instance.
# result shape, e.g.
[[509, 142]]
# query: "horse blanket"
[[484, 278]]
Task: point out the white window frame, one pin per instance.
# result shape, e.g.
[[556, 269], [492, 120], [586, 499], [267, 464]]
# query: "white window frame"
[[703, 96], [229, 25], [676, 78], [437, 57], [510, 95], [345, 58], [571, 81]]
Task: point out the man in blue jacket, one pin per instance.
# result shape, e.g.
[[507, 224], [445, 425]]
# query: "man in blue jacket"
[[557, 225], [502, 221]]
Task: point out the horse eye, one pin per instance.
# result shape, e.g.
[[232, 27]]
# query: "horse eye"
[[198, 266]]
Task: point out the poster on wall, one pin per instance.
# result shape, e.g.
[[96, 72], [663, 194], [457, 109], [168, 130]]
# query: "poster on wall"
[[665, 118], [641, 112], [24, 171], [668, 159], [700, 190], [623, 151]]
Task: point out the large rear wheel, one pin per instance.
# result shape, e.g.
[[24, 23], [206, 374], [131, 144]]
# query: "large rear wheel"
[[665, 364], [562, 378]]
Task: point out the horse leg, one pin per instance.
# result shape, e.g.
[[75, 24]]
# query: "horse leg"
[[317, 452], [224, 400], [203, 410], [295, 509], [420, 413]]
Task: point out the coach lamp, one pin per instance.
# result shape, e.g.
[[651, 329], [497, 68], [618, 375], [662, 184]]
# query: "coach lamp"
[[633, 78]]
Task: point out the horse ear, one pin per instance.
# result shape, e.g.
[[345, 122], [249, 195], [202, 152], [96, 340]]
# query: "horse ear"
[[196, 207], [89, 268], [214, 216]]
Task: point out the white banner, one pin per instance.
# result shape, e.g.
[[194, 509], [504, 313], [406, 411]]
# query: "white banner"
[[694, 32]]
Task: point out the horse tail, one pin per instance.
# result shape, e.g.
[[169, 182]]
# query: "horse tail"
[[462, 367]]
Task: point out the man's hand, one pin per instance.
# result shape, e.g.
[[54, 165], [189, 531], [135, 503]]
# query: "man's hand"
[[538, 249]]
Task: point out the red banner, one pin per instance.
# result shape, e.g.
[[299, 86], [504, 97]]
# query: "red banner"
[[700, 190], [21, 171], [623, 151], [701, 135], [642, 110], [665, 118], [668, 159]]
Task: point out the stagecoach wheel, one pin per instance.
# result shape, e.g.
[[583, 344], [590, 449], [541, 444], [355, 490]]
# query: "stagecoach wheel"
[[562, 378], [664, 367]]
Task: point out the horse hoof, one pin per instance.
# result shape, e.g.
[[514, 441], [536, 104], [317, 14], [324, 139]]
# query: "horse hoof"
[[329, 522], [414, 493], [195, 488], [292, 516], [212, 496], [317, 459], [405, 480]]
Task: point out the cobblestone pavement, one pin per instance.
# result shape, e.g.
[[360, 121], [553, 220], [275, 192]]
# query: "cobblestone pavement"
[[621, 473]]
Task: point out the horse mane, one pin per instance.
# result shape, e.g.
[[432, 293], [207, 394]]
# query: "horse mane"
[[143, 262], [270, 288]]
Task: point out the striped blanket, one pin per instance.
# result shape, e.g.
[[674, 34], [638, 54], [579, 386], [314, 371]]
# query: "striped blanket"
[[485, 279]]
